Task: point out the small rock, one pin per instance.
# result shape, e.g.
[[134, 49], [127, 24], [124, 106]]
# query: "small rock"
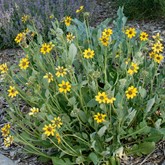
[[5, 161]]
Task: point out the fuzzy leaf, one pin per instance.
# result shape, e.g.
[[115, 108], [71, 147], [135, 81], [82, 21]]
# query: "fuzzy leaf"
[[102, 131], [143, 148], [39, 39], [154, 136], [72, 53], [150, 104], [94, 158], [92, 103], [142, 92], [58, 161], [82, 116]]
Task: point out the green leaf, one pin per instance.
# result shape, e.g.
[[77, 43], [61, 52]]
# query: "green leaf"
[[92, 156], [150, 104], [72, 53], [72, 101], [92, 103], [47, 93], [43, 159], [142, 128], [59, 33], [162, 131], [143, 148], [131, 115], [142, 92], [39, 39], [82, 116], [101, 131], [58, 161], [122, 83], [80, 160], [154, 135], [114, 161]]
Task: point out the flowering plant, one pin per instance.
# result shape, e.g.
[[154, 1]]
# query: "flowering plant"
[[94, 94]]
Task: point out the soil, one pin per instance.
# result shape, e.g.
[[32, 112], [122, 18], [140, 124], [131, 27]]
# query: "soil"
[[12, 55]]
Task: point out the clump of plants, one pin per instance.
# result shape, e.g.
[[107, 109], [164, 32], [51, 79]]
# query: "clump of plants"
[[143, 9], [16, 14], [92, 94]]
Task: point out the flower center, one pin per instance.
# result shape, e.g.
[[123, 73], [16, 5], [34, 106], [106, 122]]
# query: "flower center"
[[88, 54], [49, 129], [49, 76], [157, 47], [130, 92], [23, 63], [99, 117], [132, 67], [45, 48], [60, 70], [64, 87], [101, 97], [130, 32]]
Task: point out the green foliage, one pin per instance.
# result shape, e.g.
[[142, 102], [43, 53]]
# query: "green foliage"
[[143, 9], [84, 115]]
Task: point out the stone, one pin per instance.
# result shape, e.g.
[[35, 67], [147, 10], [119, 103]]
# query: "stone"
[[5, 161]]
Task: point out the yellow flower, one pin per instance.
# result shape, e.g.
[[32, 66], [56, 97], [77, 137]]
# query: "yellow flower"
[[80, 9], [67, 21], [58, 138], [64, 87], [3, 68], [127, 61], [131, 92], [19, 37], [5, 130], [26, 30], [51, 16], [152, 54], [143, 36], [25, 18], [133, 69], [33, 111], [61, 71], [117, 54], [57, 122], [24, 63], [49, 130], [88, 53], [110, 100], [157, 37], [100, 117], [33, 34], [158, 58], [107, 32], [12, 91], [7, 126], [49, 76], [46, 48], [8, 141], [130, 32], [51, 45], [70, 37], [101, 97], [157, 47], [104, 40]]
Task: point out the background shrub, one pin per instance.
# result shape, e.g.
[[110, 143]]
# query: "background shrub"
[[143, 9], [39, 11]]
